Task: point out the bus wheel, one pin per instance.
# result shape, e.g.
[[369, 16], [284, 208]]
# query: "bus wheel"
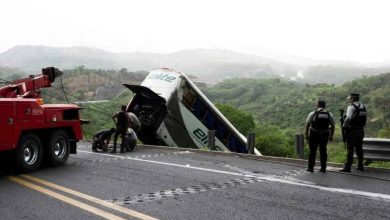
[[58, 149], [29, 153]]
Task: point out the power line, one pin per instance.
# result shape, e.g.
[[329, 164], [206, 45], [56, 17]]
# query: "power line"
[[80, 99], [63, 89], [96, 110]]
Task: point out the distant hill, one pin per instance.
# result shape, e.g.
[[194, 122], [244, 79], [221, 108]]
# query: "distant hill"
[[32, 58], [10, 74], [206, 64], [89, 84]]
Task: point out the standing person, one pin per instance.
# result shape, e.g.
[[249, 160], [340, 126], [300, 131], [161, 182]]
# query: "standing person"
[[100, 137], [122, 124], [318, 133], [354, 124], [134, 122]]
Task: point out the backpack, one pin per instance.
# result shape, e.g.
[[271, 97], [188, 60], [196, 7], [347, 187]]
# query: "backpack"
[[359, 117], [321, 120]]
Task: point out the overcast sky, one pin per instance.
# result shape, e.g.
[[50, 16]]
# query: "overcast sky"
[[332, 29]]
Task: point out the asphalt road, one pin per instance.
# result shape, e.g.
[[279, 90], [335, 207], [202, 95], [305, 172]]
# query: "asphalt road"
[[174, 184]]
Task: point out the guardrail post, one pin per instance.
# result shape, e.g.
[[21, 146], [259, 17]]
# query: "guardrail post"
[[250, 143], [299, 143], [211, 139]]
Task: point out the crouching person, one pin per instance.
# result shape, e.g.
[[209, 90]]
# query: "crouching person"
[[130, 140], [101, 140]]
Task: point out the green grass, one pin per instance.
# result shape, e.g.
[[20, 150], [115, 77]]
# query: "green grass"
[[383, 164], [336, 152]]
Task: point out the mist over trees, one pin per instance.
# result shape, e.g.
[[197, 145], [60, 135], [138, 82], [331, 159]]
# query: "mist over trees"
[[213, 65]]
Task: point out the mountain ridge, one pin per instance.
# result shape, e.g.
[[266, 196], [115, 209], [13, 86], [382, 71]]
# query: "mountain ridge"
[[206, 64]]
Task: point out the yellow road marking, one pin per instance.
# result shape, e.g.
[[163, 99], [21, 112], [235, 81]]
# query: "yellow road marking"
[[91, 198], [66, 199]]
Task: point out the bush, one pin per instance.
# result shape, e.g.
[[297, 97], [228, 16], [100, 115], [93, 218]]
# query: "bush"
[[241, 120], [271, 141]]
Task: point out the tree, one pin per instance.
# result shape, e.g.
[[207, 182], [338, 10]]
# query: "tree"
[[381, 100], [271, 141], [241, 120]]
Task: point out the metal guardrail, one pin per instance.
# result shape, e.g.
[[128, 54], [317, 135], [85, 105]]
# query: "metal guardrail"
[[376, 149]]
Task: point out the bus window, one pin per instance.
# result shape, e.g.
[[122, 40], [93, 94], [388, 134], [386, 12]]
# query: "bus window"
[[209, 120], [232, 145], [188, 96], [221, 133], [199, 109]]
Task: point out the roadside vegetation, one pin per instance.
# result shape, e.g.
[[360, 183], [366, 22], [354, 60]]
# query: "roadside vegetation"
[[279, 110]]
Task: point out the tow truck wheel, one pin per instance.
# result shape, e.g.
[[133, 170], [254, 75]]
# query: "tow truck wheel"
[[58, 149], [29, 153]]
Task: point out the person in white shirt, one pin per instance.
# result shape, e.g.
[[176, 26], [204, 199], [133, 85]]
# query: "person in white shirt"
[[354, 124]]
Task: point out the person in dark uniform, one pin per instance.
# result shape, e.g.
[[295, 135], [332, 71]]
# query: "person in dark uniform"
[[318, 133], [354, 123], [122, 124], [100, 137]]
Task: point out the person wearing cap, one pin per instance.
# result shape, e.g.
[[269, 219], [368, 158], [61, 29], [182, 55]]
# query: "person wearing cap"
[[354, 123], [319, 130]]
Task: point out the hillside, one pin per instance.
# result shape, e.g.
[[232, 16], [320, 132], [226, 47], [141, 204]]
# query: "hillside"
[[206, 64], [10, 74], [82, 84], [286, 104]]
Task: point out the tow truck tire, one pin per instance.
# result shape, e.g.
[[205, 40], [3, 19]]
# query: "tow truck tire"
[[58, 148], [29, 152]]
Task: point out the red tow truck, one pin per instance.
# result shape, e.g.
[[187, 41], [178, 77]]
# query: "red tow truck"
[[34, 131]]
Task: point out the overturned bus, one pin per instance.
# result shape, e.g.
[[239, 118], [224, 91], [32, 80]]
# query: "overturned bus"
[[174, 112]]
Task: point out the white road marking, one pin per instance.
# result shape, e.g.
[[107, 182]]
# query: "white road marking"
[[270, 178], [168, 164]]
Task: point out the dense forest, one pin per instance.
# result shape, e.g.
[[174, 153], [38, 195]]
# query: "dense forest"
[[286, 104]]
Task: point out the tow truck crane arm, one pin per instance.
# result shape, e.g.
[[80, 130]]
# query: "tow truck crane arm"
[[30, 87]]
